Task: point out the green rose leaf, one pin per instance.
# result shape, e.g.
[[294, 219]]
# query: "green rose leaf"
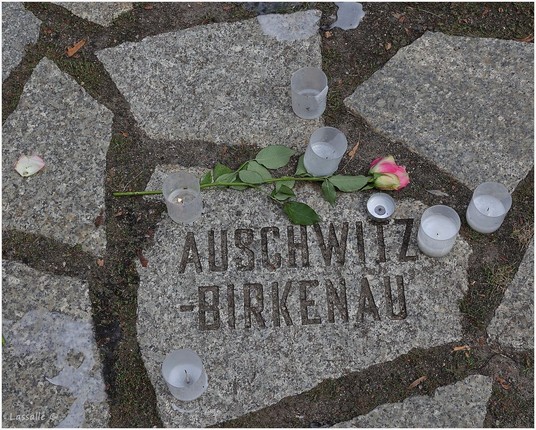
[[207, 178], [227, 177], [288, 184], [220, 169], [282, 193], [264, 173], [349, 184], [328, 191], [300, 213], [301, 170], [250, 177], [274, 156]]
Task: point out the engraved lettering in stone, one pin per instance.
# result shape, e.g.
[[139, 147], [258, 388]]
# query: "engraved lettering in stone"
[[222, 267], [274, 263], [333, 243], [403, 254], [279, 307], [294, 246], [401, 298], [186, 308], [381, 243], [336, 299], [305, 303], [360, 241], [366, 302], [190, 254], [243, 239], [230, 306], [249, 308], [209, 312]]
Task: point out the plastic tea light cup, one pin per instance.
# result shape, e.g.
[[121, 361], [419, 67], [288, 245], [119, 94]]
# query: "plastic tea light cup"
[[438, 230], [182, 194], [380, 206], [488, 207], [324, 152], [184, 374], [309, 89]]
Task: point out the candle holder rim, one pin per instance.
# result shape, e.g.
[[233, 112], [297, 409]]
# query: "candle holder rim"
[[322, 75], [433, 209], [170, 360], [503, 194]]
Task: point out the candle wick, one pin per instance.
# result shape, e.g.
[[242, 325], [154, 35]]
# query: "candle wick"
[[187, 377]]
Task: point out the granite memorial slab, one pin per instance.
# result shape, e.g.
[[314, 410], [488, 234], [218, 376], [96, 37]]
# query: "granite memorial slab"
[[460, 405], [513, 323], [455, 101], [51, 371], [273, 308], [227, 83], [102, 13], [57, 120], [20, 28]]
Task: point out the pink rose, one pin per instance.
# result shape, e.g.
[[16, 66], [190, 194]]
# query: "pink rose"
[[387, 174]]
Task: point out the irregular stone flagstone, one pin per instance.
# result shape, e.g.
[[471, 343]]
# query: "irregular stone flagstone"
[[270, 319], [460, 405], [227, 83], [467, 104], [513, 324], [51, 373], [19, 29], [57, 120], [98, 12]]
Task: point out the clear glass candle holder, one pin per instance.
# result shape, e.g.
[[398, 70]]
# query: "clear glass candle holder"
[[184, 374], [309, 89], [489, 205], [324, 152], [438, 230], [182, 194]]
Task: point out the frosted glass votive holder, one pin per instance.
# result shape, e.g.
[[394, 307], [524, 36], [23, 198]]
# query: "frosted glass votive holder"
[[324, 152], [438, 230], [489, 205], [182, 194]]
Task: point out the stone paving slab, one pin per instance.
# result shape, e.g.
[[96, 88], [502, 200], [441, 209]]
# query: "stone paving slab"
[[20, 28], [51, 372], [102, 13], [460, 405], [57, 120], [513, 324], [274, 309], [467, 104], [227, 83]]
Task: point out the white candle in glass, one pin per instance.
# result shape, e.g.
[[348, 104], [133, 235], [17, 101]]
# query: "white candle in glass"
[[182, 195], [488, 207], [324, 152], [438, 230], [184, 374]]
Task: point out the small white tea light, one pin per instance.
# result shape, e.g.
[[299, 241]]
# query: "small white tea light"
[[488, 207], [182, 195], [184, 374], [438, 230], [380, 206]]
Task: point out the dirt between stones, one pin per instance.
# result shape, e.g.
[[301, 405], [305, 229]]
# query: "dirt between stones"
[[349, 58]]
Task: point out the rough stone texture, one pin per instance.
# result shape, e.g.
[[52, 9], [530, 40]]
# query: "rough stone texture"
[[227, 83], [100, 13], [19, 29], [250, 366], [456, 101], [51, 373], [461, 405], [57, 120], [295, 26], [513, 324]]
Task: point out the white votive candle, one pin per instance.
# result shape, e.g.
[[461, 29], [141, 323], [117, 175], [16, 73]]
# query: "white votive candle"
[[438, 230], [184, 374], [182, 195], [380, 206], [324, 152], [488, 207]]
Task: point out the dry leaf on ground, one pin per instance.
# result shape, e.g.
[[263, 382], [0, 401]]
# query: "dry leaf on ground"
[[417, 382], [353, 151], [71, 50], [144, 262], [100, 262], [461, 348], [503, 382]]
